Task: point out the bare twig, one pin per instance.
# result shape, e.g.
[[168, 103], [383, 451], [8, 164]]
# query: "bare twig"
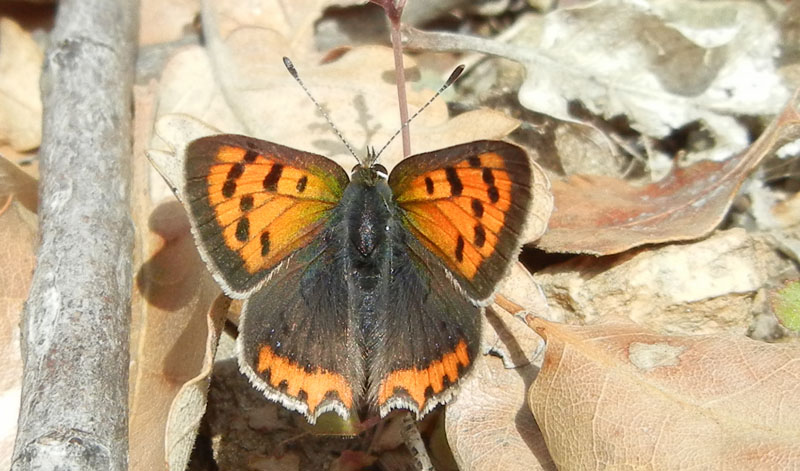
[[394, 10], [75, 327]]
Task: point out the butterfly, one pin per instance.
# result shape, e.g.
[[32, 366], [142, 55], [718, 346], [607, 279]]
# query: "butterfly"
[[362, 290]]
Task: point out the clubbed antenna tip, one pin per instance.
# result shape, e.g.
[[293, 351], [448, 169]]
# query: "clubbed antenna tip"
[[290, 67]]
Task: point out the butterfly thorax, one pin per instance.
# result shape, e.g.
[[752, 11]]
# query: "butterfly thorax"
[[366, 202], [368, 220]]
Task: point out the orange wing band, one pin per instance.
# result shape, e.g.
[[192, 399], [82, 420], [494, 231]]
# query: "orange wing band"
[[416, 382], [316, 386]]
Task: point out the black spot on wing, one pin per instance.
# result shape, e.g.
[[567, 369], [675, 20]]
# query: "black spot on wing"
[[246, 203], [264, 243], [456, 187], [460, 249], [228, 188], [480, 236], [477, 208], [243, 230], [488, 176], [494, 194], [250, 156], [273, 177], [301, 184]]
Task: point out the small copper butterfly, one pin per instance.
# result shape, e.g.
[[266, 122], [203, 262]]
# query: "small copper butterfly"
[[361, 290]]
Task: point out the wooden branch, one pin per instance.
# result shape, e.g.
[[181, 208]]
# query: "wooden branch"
[[75, 325]]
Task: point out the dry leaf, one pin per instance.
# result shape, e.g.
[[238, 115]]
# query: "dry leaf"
[[488, 425], [603, 215], [189, 405], [294, 22], [170, 334], [161, 21], [489, 408], [16, 184], [357, 90], [625, 397], [20, 104], [174, 293], [18, 240], [541, 206], [662, 64], [703, 287], [503, 333]]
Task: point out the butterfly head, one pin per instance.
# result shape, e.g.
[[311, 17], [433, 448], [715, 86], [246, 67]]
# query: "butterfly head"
[[369, 174]]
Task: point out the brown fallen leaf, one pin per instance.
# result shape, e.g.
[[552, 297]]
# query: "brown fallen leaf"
[[174, 291], [189, 405], [20, 104], [357, 90], [171, 332], [603, 215], [488, 425], [489, 408], [18, 240], [625, 397], [16, 184]]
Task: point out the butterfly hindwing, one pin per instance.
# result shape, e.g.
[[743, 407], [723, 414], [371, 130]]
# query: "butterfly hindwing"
[[298, 342], [429, 339], [253, 202], [467, 204]]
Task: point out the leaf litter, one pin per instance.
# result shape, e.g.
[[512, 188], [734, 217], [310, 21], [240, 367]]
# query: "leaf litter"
[[239, 94], [667, 67]]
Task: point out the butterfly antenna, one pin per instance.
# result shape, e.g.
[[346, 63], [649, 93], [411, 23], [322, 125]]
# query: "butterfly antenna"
[[293, 71], [453, 77]]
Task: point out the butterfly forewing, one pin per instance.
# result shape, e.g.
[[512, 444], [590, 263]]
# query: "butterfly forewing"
[[467, 204], [254, 202]]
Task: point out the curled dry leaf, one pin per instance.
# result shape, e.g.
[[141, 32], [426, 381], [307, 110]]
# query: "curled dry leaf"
[[505, 335], [174, 293], [20, 104], [703, 287], [625, 397], [18, 239], [662, 64], [189, 405], [604, 215], [541, 206], [176, 314]]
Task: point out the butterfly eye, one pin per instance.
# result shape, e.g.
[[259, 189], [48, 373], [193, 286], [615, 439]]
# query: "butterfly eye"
[[355, 169], [381, 170]]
